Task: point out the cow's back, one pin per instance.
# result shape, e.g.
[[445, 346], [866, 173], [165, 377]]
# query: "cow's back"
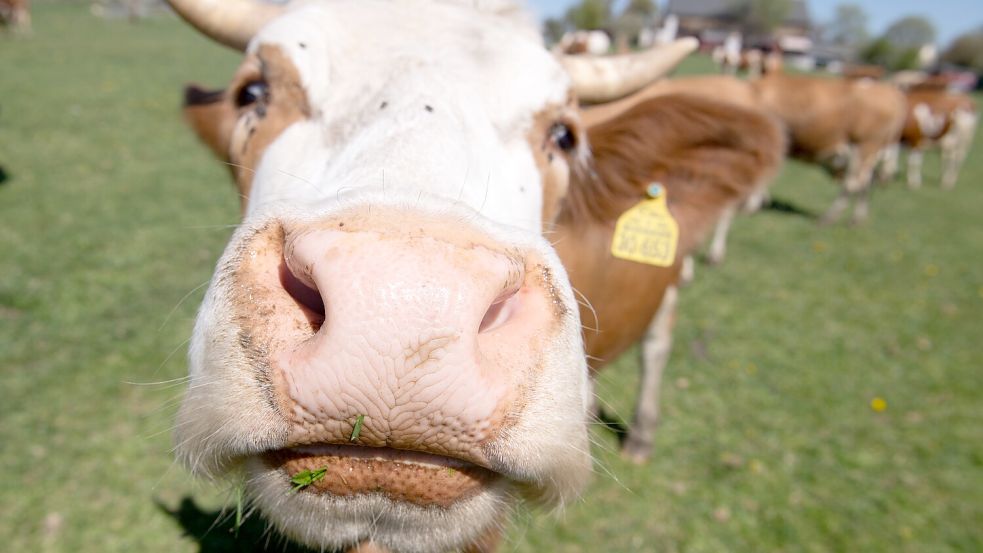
[[813, 110], [721, 88], [879, 112]]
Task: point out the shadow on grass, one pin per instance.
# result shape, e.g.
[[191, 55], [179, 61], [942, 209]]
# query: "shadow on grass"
[[4, 177], [215, 531], [614, 424], [789, 208]]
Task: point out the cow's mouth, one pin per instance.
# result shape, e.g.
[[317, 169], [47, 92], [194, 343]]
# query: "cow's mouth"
[[408, 476]]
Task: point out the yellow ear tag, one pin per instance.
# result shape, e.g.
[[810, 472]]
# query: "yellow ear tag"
[[647, 233]]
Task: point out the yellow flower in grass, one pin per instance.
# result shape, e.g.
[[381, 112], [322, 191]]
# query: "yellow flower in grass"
[[878, 404]]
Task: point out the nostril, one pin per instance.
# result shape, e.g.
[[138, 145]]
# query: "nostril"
[[309, 299], [500, 311]]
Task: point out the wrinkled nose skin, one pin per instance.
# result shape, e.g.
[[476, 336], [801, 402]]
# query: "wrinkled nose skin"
[[424, 338]]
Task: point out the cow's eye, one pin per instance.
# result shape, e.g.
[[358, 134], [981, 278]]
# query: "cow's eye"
[[563, 137], [252, 92]]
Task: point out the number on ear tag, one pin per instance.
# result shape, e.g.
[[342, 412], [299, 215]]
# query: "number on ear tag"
[[647, 233]]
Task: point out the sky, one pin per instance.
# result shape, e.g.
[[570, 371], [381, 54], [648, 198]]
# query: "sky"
[[950, 17]]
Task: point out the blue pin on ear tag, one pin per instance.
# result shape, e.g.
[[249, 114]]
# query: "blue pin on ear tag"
[[647, 233]]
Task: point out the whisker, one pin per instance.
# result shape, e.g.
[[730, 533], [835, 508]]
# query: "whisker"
[[173, 351], [181, 301]]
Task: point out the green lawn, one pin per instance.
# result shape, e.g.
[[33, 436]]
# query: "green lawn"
[[112, 217]]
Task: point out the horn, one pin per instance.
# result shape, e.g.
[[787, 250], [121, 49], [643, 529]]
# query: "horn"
[[229, 22], [598, 79]]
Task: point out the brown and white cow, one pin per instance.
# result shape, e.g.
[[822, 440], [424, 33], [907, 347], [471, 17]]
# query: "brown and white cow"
[[16, 14], [938, 117], [844, 125], [708, 156], [596, 43], [388, 312]]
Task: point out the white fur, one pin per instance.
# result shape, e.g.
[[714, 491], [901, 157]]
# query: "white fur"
[[482, 77], [485, 75]]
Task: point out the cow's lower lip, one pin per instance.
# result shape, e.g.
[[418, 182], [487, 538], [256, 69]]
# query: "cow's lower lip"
[[408, 476]]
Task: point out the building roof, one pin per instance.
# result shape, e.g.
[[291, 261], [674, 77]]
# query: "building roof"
[[730, 9]]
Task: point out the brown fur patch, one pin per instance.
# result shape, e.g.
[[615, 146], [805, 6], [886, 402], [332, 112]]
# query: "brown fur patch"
[[823, 115], [212, 117], [240, 136], [553, 163], [259, 128], [708, 155], [941, 102], [721, 88]]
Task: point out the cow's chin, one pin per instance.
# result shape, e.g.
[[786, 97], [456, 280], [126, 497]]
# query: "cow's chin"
[[404, 501]]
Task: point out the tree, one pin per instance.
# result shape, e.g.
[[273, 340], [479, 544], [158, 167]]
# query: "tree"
[[966, 51], [637, 15], [762, 16], [878, 51], [553, 30], [910, 32], [848, 27], [589, 14]]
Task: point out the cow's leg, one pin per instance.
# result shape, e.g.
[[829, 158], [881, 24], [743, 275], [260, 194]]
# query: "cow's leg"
[[950, 165], [656, 347], [688, 271], [847, 186], [718, 246], [955, 146], [755, 201], [837, 208], [889, 163], [915, 158], [864, 181], [861, 205]]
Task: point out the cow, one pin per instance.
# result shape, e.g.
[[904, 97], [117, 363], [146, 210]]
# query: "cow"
[[846, 126], [864, 71], [707, 157], [389, 353], [16, 14], [728, 55], [939, 117], [596, 43]]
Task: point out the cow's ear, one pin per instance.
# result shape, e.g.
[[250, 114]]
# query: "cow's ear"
[[212, 117], [707, 154]]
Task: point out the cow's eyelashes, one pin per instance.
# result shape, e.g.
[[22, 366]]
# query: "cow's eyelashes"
[[253, 92], [563, 136]]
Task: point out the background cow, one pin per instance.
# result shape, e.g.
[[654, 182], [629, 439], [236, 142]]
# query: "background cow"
[[843, 125], [16, 14], [938, 117], [596, 43]]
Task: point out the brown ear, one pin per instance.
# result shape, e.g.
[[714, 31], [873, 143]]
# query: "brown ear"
[[707, 154], [211, 117]]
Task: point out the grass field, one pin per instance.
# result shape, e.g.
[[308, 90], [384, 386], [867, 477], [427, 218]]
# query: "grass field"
[[112, 218]]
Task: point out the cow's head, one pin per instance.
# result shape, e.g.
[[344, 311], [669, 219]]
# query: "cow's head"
[[388, 316]]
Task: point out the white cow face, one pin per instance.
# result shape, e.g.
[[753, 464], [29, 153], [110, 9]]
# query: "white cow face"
[[388, 315]]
